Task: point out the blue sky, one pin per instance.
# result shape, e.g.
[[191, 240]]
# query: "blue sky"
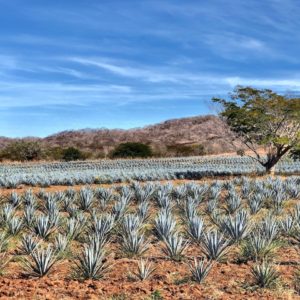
[[126, 63]]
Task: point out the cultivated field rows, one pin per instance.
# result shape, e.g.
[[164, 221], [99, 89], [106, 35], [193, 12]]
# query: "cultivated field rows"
[[113, 171], [218, 240]]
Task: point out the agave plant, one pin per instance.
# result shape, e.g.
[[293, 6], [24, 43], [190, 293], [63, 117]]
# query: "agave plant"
[[29, 199], [134, 243], [190, 208], [175, 246], [144, 270], [7, 213], [214, 245], [74, 227], [130, 223], [287, 225], [211, 206], [200, 269], [92, 262], [40, 261], [255, 203], [4, 239], [61, 243], [196, 229], [86, 198], [120, 207], [236, 227], [14, 199], [269, 227], [164, 224], [143, 211], [278, 199], [265, 275], [67, 202], [102, 225], [163, 199], [43, 227], [143, 193], [104, 196], [29, 215], [233, 202], [14, 225], [29, 244], [259, 248]]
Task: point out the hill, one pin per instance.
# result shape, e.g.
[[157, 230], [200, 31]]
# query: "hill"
[[208, 131]]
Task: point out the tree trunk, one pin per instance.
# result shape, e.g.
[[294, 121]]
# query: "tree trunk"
[[270, 164], [274, 158]]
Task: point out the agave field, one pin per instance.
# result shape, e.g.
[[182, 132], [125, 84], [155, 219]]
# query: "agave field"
[[112, 171], [219, 239]]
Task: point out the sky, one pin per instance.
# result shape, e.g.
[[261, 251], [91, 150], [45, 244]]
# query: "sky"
[[76, 64]]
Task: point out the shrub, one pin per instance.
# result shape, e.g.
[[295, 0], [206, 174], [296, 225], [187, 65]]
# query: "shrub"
[[185, 150], [71, 154], [22, 151], [132, 150]]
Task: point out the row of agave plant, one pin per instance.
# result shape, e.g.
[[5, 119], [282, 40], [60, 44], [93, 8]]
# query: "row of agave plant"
[[112, 171], [217, 218]]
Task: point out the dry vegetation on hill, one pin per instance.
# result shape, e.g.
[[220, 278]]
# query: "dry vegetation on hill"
[[208, 131]]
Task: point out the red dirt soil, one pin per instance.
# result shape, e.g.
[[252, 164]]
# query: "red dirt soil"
[[227, 280], [171, 280]]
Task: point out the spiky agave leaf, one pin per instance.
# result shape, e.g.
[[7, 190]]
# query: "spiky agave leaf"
[[258, 248], [214, 245], [43, 227], [29, 243], [91, 263], [29, 215], [14, 199], [102, 225], [196, 229], [61, 243], [236, 227], [40, 261], [134, 243], [86, 198], [200, 269], [265, 275], [164, 224], [75, 226], [14, 225], [175, 246], [130, 223], [144, 270], [143, 211], [4, 239]]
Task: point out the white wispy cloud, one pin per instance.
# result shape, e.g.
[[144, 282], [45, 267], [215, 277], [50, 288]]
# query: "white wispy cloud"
[[145, 73]]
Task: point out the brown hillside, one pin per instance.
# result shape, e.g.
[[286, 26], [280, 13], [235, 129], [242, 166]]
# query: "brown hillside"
[[209, 131]]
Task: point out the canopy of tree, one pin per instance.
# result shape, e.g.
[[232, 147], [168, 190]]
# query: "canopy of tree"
[[263, 118]]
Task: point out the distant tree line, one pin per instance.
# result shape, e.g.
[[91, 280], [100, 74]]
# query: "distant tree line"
[[34, 151]]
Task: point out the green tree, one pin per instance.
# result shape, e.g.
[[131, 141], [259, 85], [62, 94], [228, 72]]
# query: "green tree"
[[263, 119], [22, 151], [71, 154], [132, 150]]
